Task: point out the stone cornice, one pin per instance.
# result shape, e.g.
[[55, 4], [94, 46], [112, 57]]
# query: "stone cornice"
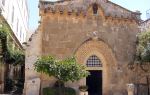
[[81, 7]]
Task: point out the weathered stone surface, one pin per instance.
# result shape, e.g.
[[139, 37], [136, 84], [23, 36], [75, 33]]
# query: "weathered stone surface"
[[111, 39], [119, 37], [33, 87], [33, 51], [81, 7]]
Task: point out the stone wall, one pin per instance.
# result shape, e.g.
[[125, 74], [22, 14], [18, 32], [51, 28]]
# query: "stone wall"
[[145, 25], [32, 78], [64, 34]]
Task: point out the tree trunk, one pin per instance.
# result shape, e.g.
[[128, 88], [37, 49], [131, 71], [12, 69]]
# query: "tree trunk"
[[60, 90]]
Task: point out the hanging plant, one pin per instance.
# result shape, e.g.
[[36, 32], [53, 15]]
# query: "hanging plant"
[[14, 57], [18, 57], [3, 39], [10, 56], [3, 34]]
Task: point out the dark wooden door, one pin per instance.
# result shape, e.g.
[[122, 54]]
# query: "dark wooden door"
[[94, 82]]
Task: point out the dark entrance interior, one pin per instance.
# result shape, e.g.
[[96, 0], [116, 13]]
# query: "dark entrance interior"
[[94, 82]]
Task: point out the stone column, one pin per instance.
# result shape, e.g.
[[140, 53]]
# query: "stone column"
[[130, 89]]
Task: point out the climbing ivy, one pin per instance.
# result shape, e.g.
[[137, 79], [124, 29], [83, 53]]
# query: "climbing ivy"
[[3, 38], [9, 56]]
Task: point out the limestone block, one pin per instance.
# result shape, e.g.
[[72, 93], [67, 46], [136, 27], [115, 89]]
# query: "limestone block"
[[32, 87], [30, 60], [64, 36]]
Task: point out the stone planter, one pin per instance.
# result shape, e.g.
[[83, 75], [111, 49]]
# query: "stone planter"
[[83, 93]]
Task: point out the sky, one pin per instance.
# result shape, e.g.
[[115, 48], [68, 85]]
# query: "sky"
[[133, 5]]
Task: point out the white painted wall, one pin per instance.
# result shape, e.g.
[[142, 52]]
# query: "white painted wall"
[[16, 14]]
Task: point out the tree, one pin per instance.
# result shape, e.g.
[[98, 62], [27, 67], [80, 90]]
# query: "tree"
[[63, 70], [143, 54], [143, 46]]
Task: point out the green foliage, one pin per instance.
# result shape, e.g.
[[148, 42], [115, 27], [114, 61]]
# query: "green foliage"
[[14, 57], [54, 91], [3, 38], [63, 70], [3, 32], [144, 38], [46, 65], [49, 91], [143, 47], [145, 56], [10, 56], [19, 57], [69, 70]]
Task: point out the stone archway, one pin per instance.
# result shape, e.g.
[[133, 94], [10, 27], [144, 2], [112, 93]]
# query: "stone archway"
[[94, 80], [104, 53]]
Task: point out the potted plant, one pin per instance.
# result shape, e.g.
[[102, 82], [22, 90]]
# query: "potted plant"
[[83, 88]]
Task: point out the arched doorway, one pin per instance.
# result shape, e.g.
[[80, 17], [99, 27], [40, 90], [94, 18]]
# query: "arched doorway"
[[99, 50], [94, 80]]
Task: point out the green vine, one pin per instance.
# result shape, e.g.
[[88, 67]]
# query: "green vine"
[[3, 39], [10, 56], [14, 57]]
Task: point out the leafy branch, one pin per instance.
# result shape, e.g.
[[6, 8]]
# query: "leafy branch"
[[10, 56], [143, 47], [63, 70]]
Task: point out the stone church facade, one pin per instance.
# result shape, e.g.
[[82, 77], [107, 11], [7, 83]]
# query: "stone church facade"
[[100, 34]]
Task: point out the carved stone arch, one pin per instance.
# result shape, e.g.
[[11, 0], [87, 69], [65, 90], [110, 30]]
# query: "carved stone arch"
[[104, 53]]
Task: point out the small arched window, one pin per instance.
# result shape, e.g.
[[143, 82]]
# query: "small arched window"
[[95, 8], [93, 61]]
